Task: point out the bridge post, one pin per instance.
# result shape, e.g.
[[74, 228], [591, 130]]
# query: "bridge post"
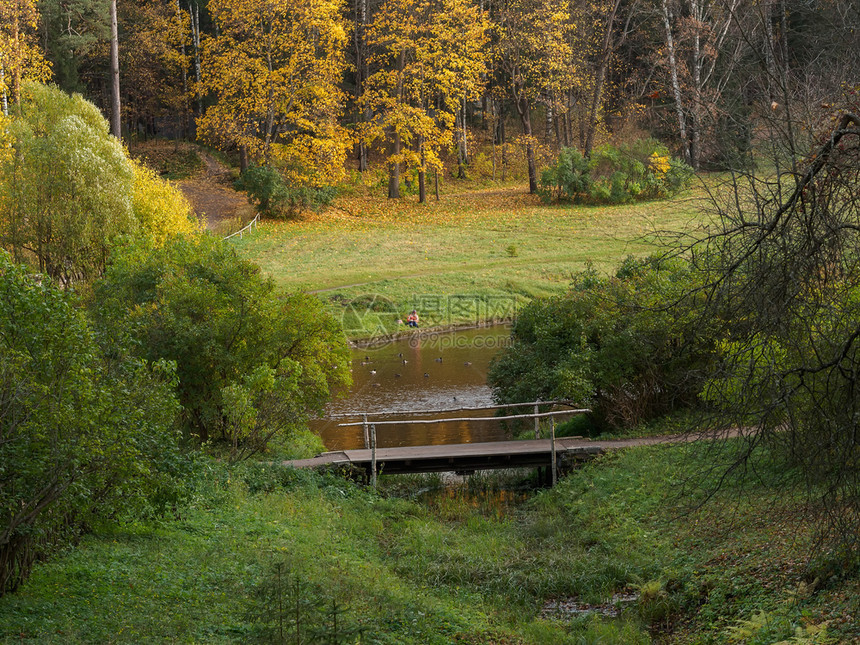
[[537, 422], [554, 458], [373, 456], [366, 437]]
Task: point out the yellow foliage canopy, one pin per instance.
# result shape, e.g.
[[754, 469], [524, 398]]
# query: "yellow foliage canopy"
[[160, 208], [276, 69], [20, 55], [432, 54]]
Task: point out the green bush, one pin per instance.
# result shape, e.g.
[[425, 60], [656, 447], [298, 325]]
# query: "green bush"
[[87, 432], [612, 344], [250, 366], [273, 198], [615, 175]]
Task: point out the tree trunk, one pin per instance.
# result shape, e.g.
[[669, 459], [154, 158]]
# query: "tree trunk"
[[676, 85], [243, 159], [116, 123], [524, 110], [462, 152], [394, 166], [184, 81], [422, 188], [600, 78], [4, 98], [695, 124], [503, 142], [394, 169], [360, 71], [195, 38]]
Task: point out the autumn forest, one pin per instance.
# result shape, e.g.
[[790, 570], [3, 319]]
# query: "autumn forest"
[[317, 88], [221, 219]]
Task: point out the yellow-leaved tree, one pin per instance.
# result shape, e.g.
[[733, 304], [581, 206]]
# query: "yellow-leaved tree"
[[275, 69], [429, 55], [160, 208], [534, 58], [20, 55]]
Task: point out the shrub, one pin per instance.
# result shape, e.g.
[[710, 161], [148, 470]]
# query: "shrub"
[[250, 366], [87, 431], [612, 344], [643, 169], [274, 198], [160, 208]]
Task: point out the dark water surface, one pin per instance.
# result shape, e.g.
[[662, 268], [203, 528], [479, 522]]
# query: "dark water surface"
[[421, 372]]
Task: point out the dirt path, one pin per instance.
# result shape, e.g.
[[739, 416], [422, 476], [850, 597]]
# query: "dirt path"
[[213, 197]]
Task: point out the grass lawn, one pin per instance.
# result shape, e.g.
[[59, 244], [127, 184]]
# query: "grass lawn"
[[474, 255], [465, 565]]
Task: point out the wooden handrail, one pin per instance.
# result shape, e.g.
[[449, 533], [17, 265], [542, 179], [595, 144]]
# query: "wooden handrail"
[[241, 231], [505, 418]]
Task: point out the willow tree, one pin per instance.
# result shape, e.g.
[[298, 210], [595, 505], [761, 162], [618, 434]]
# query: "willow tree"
[[430, 55], [275, 69], [65, 193]]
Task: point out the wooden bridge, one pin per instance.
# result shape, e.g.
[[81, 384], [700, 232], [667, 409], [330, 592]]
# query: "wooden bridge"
[[551, 454]]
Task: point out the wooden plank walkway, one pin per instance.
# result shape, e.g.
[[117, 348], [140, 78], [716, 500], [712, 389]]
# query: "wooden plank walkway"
[[529, 453]]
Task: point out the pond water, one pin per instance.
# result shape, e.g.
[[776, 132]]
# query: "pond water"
[[423, 371]]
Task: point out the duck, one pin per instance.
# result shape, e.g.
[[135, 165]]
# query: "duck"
[[426, 375], [439, 360], [373, 372], [397, 376], [467, 363]]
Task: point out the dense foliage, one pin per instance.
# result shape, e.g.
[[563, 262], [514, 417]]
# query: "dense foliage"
[[615, 174], [68, 191], [274, 70], [250, 366], [273, 197], [619, 345], [86, 431], [780, 267], [65, 193]]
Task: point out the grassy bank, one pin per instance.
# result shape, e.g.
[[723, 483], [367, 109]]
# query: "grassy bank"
[[468, 566], [474, 255]]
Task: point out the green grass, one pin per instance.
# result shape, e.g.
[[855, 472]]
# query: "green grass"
[[465, 565], [497, 246]]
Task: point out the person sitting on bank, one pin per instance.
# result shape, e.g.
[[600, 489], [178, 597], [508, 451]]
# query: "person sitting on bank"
[[412, 319]]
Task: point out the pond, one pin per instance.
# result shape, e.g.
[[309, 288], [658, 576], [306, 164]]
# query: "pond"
[[422, 371]]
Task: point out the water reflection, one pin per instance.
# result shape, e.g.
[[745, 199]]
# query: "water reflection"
[[416, 373]]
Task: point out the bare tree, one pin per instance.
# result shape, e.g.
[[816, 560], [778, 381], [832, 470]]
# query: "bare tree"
[[782, 271]]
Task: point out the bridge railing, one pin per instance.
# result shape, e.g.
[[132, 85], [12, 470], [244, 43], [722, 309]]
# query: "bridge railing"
[[537, 415], [247, 229]]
